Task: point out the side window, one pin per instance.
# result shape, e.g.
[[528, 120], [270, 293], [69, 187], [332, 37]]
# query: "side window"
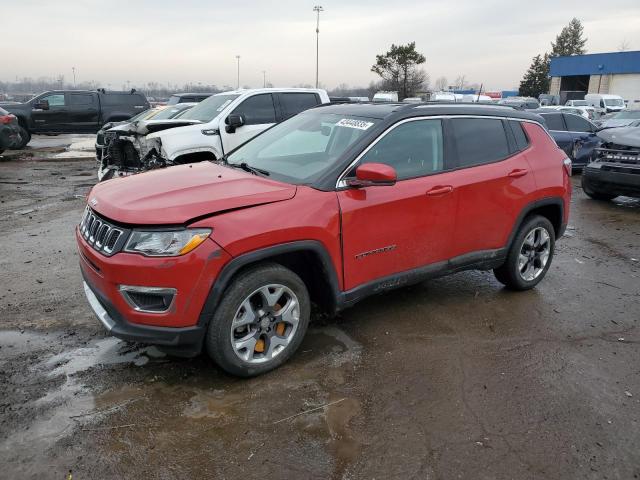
[[554, 121], [258, 109], [602, 103], [518, 132], [577, 124], [55, 100], [294, 103], [414, 149], [80, 99], [479, 140]]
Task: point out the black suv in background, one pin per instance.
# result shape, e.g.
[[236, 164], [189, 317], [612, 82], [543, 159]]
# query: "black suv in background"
[[75, 111]]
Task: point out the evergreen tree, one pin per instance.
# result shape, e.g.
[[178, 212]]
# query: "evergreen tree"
[[536, 79], [399, 69], [570, 41]]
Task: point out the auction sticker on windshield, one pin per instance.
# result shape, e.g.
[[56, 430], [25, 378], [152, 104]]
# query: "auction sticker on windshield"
[[351, 123]]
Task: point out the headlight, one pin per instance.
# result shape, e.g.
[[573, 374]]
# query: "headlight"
[[154, 243]]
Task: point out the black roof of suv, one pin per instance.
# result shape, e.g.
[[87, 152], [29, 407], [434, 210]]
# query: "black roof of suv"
[[401, 110]]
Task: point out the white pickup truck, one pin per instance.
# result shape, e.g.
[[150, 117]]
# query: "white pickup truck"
[[208, 131]]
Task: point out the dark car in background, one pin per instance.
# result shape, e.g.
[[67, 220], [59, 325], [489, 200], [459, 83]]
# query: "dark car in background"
[[75, 111], [615, 169], [574, 134], [10, 136], [177, 98]]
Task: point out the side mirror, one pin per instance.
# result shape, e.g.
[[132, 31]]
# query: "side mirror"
[[233, 121], [370, 174], [42, 105]]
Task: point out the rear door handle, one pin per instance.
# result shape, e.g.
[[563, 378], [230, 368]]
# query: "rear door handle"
[[440, 190], [518, 172]]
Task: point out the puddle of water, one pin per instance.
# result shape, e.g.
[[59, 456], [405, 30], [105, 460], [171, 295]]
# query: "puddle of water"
[[72, 398], [15, 343]]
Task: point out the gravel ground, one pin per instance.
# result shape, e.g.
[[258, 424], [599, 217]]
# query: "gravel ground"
[[452, 378]]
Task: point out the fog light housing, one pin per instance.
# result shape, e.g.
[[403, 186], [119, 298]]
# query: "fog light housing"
[[148, 299]]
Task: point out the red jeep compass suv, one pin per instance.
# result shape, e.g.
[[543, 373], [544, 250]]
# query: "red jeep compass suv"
[[330, 206]]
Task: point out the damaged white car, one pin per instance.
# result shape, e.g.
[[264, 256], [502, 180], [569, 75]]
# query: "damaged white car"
[[207, 131]]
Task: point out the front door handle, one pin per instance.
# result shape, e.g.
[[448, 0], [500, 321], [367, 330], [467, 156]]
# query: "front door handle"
[[440, 190], [518, 172]]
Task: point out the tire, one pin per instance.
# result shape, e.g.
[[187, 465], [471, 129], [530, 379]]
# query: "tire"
[[590, 192], [244, 304], [26, 138], [517, 276]]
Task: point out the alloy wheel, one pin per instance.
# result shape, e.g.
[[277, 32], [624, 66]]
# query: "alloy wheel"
[[265, 323], [534, 254]]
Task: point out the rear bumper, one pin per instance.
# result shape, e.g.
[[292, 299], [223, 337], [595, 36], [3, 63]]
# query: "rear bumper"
[[621, 180], [185, 341]]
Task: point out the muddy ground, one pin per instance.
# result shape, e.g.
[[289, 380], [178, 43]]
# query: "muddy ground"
[[453, 378]]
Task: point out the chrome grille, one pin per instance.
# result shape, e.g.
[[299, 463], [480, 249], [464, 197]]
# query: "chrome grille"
[[100, 234]]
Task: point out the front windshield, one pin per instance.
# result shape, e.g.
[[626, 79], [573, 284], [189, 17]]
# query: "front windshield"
[[614, 102], [579, 103], [210, 108], [169, 112], [298, 150], [627, 114]]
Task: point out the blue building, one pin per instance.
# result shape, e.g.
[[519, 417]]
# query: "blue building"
[[615, 73]]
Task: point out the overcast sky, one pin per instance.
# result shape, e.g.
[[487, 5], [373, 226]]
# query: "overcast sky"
[[195, 41]]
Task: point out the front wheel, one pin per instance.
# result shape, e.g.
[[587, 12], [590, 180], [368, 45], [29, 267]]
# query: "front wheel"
[[260, 321], [529, 256]]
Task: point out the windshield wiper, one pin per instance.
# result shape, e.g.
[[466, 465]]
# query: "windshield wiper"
[[248, 168]]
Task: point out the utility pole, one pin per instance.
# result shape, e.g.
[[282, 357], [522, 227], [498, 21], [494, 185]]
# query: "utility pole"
[[238, 83], [317, 9], [73, 69], [264, 78]]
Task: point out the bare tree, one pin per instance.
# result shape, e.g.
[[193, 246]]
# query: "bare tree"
[[624, 45], [441, 83], [460, 82]]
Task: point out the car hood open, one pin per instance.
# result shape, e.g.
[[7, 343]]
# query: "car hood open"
[[626, 136], [176, 195]]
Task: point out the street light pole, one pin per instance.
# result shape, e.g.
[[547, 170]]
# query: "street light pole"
[[238, 84], [264, 78], [317, 9], [73, 69]]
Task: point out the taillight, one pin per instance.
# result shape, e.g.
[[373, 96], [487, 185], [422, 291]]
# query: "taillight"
[[567, 165], [6, 119]]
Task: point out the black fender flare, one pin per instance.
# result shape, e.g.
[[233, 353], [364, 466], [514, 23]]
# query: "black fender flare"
[[530, 207], [232, 267]]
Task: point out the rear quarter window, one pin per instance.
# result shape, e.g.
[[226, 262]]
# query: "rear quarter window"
[[479, 140], [554, 121], [80, 99], [520, 136], [113, 99], [294, 103]]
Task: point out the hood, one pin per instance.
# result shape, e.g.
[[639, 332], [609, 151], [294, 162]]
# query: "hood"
[[625, 136], [615, 122], [178, 194], [144, 127]]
